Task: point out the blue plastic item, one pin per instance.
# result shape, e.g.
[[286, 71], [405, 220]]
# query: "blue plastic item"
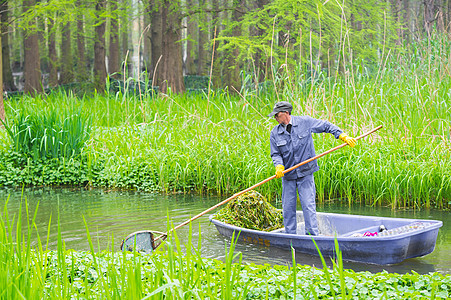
[[367, 239]]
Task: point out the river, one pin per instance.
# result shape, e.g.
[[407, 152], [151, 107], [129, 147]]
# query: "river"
[[112, 215]]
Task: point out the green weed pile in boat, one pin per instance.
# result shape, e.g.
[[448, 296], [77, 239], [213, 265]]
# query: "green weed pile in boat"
[[251, 210]]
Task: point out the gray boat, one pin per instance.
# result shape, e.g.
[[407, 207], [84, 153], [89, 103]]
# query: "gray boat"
[[367, 239]]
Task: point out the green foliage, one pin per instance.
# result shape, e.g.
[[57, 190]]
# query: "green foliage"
[[49, 133], [186, 143], [17, 170], [64, 11], [193, 82], [313, 34]]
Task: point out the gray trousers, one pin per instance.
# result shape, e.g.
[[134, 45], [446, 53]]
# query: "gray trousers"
[[307, 192]]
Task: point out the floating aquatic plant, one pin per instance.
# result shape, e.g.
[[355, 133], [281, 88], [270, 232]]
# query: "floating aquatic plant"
[[251, 210]]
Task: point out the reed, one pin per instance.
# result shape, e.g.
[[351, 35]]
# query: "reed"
[[169, 143], [49, 133]]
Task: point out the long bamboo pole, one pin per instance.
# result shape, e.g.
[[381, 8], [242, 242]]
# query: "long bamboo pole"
[[264, 181]]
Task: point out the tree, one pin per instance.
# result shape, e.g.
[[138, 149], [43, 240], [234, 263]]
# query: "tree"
[[311, 34], [66, 75], [124, 27], [113, 49], [155, 37], [99, 47], [429, 15], [399, 20], [2, 106], [81, 74], [201, 52], [261, 60], [441, 15], [134, 38], [32, 65], [232, 76], [448, 17], [8, 80], [146, 41], [216, 55], [53, 58], [171, 71], [191, 36]]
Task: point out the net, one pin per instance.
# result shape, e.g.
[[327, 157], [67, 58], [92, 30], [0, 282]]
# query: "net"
[[141, 241]]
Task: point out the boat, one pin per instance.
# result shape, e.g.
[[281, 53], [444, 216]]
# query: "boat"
[[365, 239]]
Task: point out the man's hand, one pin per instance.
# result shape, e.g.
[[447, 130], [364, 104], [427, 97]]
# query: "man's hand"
[[279, 171], [347, 139]]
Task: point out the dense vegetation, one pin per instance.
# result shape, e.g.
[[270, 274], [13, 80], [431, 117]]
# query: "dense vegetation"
[[33, 272], [80, 40], [211, 142]]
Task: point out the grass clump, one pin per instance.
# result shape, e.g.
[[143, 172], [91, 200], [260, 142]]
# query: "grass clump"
[[251, 210], [49, 133]]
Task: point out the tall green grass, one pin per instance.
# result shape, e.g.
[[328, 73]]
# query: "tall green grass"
[[48, 132], [219, 143]]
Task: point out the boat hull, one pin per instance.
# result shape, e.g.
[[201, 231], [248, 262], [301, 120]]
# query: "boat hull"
[[405, 238]]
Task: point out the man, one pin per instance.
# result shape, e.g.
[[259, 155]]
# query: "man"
[[291, 143]]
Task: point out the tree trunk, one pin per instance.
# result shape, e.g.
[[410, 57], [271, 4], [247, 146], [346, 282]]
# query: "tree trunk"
[[40, 21], [99, 48], [171, 74], [261, 60], [407, 17], [441, 16], [147, 47], [429, 15], [232, 69], [202, 54], [32, 66], [448, 19], [2, 106], [155, 39], [191, 36], [416, 24], [8, 79], [215, 30], [53, 58], [113, 50], [135, 57], [67, 75], [398, 16], [124, 28], [82, 74]]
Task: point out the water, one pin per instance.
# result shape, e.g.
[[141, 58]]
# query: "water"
[[112, 215]]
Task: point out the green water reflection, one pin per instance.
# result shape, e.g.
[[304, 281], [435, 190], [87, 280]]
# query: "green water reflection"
[[111, 216]]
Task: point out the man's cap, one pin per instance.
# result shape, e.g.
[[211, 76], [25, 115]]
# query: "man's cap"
[[281, 106]]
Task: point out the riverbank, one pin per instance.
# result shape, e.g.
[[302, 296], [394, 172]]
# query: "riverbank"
[[219, 145], [216, 142]]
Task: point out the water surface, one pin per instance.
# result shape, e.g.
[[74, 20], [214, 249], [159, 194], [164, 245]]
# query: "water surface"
[[112, 215]]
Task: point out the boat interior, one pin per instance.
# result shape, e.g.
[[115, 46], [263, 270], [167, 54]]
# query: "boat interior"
[[341, 225]]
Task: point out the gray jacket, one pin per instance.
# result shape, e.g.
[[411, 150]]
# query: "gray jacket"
[[290, 149]]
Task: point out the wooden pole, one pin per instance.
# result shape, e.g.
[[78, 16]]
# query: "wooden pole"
[[264, 181]]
